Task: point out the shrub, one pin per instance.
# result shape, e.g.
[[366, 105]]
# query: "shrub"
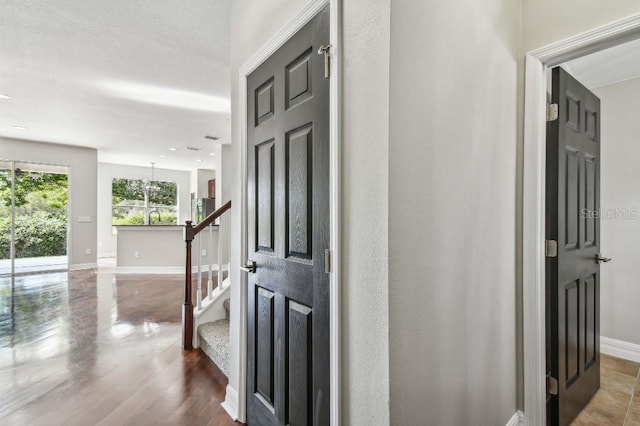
[[37, 235]]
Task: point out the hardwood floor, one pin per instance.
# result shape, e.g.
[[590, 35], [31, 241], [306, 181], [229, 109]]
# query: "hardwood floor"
[[617, 403], [89, 347]]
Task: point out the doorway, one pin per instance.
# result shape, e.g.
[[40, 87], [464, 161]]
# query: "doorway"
[[288, 215], [33, 217], [538, 64], [235, 402]]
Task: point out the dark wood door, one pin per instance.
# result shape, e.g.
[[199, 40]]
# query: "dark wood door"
[[573, 275], [288, 232]]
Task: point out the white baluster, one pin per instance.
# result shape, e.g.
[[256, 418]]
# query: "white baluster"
[[209, 275], [220, 276], [199, 292]]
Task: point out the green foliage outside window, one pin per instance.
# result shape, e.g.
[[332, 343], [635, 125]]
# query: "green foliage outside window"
[[128, 202], [40, 216]]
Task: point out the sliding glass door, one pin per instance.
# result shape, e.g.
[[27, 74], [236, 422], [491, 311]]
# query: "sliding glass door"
[[6, 217], [34, 218]]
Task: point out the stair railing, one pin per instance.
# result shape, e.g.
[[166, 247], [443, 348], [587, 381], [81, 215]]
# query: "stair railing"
[[190, 233]]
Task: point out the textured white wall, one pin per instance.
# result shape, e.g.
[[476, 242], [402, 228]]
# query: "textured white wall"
[[548, 21], [107, 242], [620, 233], [452, 215], [82, 163], [365, 212], [364, 188]]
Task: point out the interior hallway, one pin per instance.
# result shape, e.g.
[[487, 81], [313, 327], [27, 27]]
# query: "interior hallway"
[[93, 347]]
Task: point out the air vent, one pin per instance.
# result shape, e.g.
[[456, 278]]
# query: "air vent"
[[213, 138], [193, 148]]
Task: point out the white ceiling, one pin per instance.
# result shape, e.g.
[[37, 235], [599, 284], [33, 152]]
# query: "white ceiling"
[[131, 78], [612, 65]]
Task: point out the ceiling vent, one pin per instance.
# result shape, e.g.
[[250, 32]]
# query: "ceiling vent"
[[193, 148], [213, 138]]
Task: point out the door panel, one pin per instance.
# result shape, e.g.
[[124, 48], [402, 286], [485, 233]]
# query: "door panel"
[[288, 231], [573, 276]]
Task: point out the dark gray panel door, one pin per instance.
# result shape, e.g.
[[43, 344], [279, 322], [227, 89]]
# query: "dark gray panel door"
[[573, 276], [288, 224]]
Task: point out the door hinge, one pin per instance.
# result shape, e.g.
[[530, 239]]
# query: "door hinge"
[[327, 261], [552, 385], [552, 112], [324, 50], [551, 248]]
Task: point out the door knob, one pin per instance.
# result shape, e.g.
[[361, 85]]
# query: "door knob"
[[601, 259], [250, 267]]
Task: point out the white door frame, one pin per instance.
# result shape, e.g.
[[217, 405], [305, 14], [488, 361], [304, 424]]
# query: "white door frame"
[[305, 15], [533, 265]]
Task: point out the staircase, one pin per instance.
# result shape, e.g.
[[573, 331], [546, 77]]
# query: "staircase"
[[214, 340], [206, 325]]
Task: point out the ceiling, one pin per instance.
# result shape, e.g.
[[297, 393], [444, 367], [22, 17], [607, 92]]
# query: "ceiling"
[[612, 65], [129, 78]]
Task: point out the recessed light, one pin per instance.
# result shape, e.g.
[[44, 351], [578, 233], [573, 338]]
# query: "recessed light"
[[173, 149], [3, 96], [162, 156], [212, 154], [20, 127], [199, 161]]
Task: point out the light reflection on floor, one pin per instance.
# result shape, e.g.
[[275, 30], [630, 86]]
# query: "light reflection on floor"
[[59, 329], [34, 264]]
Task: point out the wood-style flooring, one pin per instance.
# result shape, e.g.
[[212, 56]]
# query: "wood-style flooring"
[[617, 403], [94, 347]]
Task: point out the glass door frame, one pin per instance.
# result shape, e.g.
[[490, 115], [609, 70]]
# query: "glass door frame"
[[12, 247]]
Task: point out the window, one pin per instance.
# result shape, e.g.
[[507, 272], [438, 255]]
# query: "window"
[[143, 202]]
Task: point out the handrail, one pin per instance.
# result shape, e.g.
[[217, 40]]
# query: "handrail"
[[190, 233], [209, 219]]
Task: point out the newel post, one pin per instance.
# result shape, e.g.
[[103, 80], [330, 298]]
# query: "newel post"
[[187, 306]]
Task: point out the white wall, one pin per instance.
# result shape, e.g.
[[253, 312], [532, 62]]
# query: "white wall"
[[548, 21], [364, 188], [107, 242], [620, 233], [452, 196], [82, 163]]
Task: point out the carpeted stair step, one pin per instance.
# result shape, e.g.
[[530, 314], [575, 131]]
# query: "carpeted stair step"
[[214, 341]]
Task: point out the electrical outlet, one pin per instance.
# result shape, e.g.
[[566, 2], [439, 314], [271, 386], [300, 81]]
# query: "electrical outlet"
[[87, 251], [136, 254], [204, 252]]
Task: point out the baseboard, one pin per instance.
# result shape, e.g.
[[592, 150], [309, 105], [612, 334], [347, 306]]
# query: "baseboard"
[[107, 255], [230, 403], [620, 349], [82, 266], [162, 269], [517, 419]]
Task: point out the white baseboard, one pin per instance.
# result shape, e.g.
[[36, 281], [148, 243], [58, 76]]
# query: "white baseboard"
[[82, 266], [230, 403], [517, 419], [620, 349], [107, 255]]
